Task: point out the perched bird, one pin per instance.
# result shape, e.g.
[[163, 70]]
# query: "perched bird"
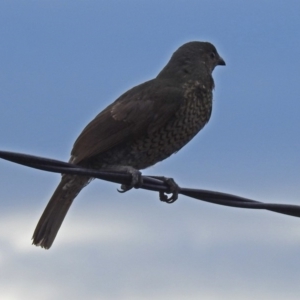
[[143, 126]]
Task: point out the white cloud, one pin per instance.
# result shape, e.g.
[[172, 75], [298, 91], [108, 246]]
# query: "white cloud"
[[136, 249]]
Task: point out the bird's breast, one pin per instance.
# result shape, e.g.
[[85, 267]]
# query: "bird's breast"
[[189, 119]]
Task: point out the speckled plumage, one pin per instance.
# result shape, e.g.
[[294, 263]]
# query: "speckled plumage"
[[156, 146], [145, 125]]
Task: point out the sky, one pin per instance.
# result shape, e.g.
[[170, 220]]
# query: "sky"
[[62, 62]]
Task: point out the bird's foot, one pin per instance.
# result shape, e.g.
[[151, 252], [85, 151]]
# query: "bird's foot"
[[173, 189], [136, 180]]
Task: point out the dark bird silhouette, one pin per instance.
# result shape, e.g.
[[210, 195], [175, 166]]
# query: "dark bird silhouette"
[[145, 125]]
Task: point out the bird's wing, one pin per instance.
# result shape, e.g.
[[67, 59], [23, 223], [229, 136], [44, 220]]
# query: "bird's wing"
[[144, 108]]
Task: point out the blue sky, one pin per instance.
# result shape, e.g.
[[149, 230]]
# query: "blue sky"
[[62, 62]]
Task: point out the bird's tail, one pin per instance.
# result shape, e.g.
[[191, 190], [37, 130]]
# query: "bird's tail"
[[57, 208]]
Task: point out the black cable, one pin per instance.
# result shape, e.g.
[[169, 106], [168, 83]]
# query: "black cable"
[[149, 183]]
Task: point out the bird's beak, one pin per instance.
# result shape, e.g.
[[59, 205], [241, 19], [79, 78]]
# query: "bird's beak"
[[221, 61]]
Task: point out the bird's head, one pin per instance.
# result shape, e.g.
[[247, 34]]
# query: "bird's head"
[[193, 57]]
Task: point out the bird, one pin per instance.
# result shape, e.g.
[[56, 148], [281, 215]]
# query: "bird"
[[144, 126]]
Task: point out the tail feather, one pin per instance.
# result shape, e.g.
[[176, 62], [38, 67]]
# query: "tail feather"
[[56, 210]]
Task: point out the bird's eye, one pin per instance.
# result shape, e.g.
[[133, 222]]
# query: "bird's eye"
[[212, 55]]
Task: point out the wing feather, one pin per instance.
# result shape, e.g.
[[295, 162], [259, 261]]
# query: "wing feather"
[[146, 107]]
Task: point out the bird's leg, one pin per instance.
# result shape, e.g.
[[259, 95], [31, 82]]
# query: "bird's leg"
[[136, 176], [172, 188], [136, 180]]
